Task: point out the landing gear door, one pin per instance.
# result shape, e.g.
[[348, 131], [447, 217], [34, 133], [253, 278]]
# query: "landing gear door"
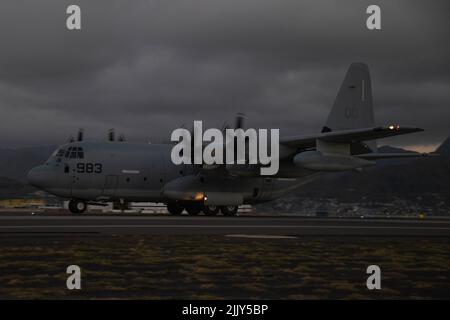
[[68, 177], [110, 187]]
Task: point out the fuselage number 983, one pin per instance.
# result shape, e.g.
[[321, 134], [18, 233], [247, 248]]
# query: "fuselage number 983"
[[89, 167]]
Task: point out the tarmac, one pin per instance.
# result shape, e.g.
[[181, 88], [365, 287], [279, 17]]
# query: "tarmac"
[[14, 224]]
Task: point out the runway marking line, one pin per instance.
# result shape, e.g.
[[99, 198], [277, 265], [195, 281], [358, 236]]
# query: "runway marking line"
[[226, 226], [259, 236]]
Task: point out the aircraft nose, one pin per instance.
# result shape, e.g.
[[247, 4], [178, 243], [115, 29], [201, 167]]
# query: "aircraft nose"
[[36, 176]]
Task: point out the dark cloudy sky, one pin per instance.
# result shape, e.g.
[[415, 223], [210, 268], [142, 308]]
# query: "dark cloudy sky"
[[146, 67]]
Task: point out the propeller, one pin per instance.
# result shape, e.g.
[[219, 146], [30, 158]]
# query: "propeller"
[[80, 135], [240, 120], [111, 135], [225, 126], [239, 124]]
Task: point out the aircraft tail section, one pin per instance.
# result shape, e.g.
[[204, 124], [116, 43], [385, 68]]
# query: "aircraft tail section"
[[353, 107]]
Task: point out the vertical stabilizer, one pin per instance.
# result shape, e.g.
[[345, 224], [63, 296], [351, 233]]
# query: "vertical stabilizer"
[[353, 107]]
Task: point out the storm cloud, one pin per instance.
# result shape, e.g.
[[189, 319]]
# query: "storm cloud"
[[147, 67]]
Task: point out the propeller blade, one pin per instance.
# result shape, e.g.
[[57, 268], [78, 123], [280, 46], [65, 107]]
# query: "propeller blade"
[[111, 135], [80, 135], [240, 120]]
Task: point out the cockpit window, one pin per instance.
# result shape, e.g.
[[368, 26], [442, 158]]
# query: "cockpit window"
[[74, 153], [69, 153], [80, 153], [56, 156]]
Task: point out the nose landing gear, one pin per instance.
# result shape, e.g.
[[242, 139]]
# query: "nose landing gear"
[[77, 206]]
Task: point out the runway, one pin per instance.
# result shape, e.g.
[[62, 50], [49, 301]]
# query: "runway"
[[24, 225]]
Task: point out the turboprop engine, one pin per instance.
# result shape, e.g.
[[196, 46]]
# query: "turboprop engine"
[[321, 161]]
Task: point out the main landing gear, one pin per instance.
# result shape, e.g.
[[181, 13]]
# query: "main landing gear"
[[229, 210], [211, 210], [195, 208], [77, 206]]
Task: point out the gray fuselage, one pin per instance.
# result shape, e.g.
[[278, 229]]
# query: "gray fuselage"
[[113, 171]]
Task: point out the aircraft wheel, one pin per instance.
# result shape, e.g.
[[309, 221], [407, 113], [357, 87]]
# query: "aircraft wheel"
[[77, 206], [194, 208], [210, 210], [229, 210], [174, 208]]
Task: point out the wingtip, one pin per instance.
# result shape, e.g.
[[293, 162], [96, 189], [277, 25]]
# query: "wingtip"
[[399, 127]]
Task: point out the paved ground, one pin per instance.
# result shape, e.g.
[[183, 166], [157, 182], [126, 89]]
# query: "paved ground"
[[41, 225]]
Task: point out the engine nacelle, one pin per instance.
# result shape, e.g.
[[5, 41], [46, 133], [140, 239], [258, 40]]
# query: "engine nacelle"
[[243, 170], [318, 161]]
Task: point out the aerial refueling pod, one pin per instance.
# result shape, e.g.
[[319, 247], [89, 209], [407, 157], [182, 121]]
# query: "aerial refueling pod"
[[318, 161]]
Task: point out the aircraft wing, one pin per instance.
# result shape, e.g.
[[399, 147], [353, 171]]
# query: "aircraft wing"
[[347, 136], [376, 155]]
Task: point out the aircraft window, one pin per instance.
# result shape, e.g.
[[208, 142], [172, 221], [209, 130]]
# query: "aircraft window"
[[80, 153], [73, 153]]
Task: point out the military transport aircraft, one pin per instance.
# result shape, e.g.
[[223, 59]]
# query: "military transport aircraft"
[[119, 171]]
